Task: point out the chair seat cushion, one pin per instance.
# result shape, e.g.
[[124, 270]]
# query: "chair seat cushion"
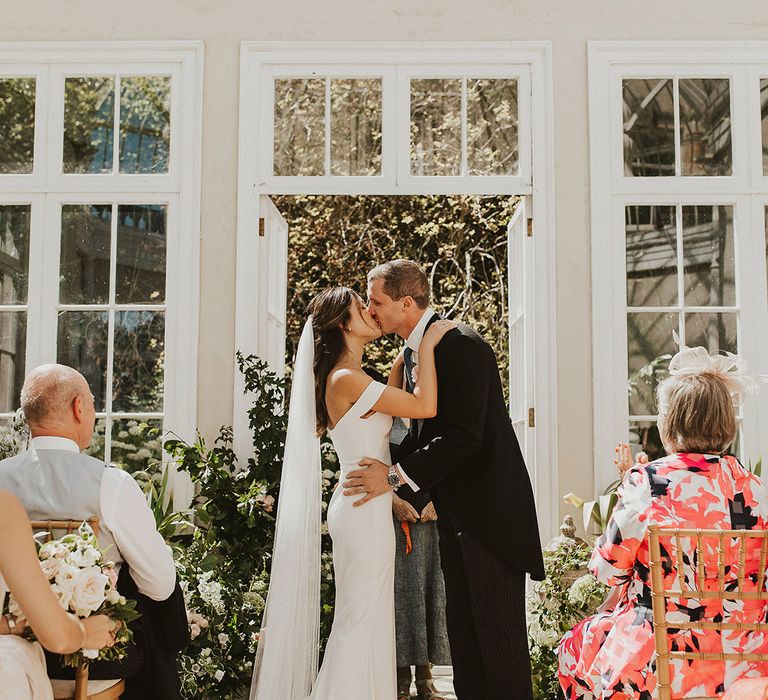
[[65, 690], [748, 689]]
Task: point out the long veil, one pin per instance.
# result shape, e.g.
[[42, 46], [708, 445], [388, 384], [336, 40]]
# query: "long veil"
[[288, 650]]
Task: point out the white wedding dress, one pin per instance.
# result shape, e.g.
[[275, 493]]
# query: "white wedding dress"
[[359, 662]]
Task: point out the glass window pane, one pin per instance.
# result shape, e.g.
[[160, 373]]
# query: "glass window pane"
[[131, 448], [356, 127], [650, 346], [708, 256], [649, 127], [141, 254], [651, 241], [17, 125], [705, 126], [139, 361], [145, 124], [96, 448], [644, 437], [82, 344], [492, 127], [13, 345], [436, 126], [299, 127], [14, 253], [85, 252], [89, 109], [764, 116], [716, 332]]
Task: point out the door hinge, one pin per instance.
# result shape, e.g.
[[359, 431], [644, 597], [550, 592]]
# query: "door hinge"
[[531, 417], [261, 226], [530, 228]]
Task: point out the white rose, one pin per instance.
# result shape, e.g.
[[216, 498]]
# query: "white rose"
[[50, 568], [88, 591], [64, 596], [223, 639], [112, 596], [54, 549], [90, 653], [85, 557], [194, 630], [65, 580]]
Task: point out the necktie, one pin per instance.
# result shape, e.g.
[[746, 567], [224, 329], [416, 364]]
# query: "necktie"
[[408, 358]]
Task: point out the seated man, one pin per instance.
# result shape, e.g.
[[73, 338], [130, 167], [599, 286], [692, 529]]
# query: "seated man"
[[53, 480]]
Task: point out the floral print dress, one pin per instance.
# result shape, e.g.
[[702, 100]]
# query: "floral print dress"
[[612, 654]]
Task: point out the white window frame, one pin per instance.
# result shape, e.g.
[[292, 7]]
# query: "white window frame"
[[746, 190], [530, 62], [47, 189]]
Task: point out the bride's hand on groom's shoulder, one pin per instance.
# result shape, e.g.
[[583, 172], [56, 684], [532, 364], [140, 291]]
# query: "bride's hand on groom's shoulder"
[[436, 332]]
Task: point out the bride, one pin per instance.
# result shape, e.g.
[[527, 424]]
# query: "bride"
[[332, 392]]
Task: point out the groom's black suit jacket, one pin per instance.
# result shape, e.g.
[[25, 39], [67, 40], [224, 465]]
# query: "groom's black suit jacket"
[[468, 457]]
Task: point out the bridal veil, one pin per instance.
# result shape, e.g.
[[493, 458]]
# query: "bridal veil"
[[288, 650]]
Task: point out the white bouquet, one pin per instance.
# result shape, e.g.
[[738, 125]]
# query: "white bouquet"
[[85, 584]]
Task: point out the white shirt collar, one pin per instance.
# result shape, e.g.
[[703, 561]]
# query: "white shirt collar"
[[53, 442], [417, 334]]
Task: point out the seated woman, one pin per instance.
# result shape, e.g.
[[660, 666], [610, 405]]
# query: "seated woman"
[[612, 654], [22, 665]]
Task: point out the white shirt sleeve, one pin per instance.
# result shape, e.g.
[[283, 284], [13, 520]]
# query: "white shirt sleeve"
[[128, 517], [407, 479]]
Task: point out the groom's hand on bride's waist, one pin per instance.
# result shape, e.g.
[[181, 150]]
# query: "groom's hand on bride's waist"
[[368, 482]]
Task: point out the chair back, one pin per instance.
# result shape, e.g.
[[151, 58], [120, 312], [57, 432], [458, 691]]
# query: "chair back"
[[68, 526], [726, 565]]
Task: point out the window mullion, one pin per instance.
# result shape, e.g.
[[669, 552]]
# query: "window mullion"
[[676, 112], [111, 332], [680, 271], [116, 129], [327, 125], [464, 168]]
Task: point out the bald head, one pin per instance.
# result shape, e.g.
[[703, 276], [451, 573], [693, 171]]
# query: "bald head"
[[56, 400]]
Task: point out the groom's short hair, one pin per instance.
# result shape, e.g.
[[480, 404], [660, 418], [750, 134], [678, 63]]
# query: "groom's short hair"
[[403, 278]]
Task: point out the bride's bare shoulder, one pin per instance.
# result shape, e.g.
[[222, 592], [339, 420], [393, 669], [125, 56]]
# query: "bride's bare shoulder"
[[347, 381]]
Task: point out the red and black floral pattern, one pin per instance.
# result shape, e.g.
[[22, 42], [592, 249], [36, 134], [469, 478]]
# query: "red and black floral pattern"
[[611, 654]]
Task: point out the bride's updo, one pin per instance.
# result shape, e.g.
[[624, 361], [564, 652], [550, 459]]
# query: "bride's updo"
[[330, 311]]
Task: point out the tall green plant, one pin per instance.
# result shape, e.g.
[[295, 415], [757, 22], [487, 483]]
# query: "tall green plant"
[[224, 564]]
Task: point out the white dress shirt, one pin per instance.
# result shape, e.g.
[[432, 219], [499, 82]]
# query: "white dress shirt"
[[128, 518], [413, 342]]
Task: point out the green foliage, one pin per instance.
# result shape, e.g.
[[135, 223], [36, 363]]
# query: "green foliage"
[[460, 240], [568, 594], [224, 563]]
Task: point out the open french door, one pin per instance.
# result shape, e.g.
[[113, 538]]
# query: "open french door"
[[273, 286], [521, 356]]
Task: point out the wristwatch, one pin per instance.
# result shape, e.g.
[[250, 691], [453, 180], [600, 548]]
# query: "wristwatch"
[[393, 479]]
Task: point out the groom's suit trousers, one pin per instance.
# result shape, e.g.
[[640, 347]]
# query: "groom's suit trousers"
[[485, 611]]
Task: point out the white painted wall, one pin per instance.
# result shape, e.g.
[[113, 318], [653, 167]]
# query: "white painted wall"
[[223, 24]]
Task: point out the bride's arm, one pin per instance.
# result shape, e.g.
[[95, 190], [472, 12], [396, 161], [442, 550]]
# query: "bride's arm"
[[422, 403]]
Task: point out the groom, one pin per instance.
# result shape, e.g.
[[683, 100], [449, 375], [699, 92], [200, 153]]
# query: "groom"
[[468, 457]]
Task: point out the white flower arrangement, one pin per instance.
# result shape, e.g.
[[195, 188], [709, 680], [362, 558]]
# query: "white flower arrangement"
[[84, 583]]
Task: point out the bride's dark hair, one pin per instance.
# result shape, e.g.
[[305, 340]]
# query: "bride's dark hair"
[[330, 311]]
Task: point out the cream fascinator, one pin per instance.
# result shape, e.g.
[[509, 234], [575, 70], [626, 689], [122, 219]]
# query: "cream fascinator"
[[730, 368]]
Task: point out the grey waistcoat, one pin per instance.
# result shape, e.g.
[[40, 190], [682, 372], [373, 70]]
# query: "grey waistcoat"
[[59, 485]]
